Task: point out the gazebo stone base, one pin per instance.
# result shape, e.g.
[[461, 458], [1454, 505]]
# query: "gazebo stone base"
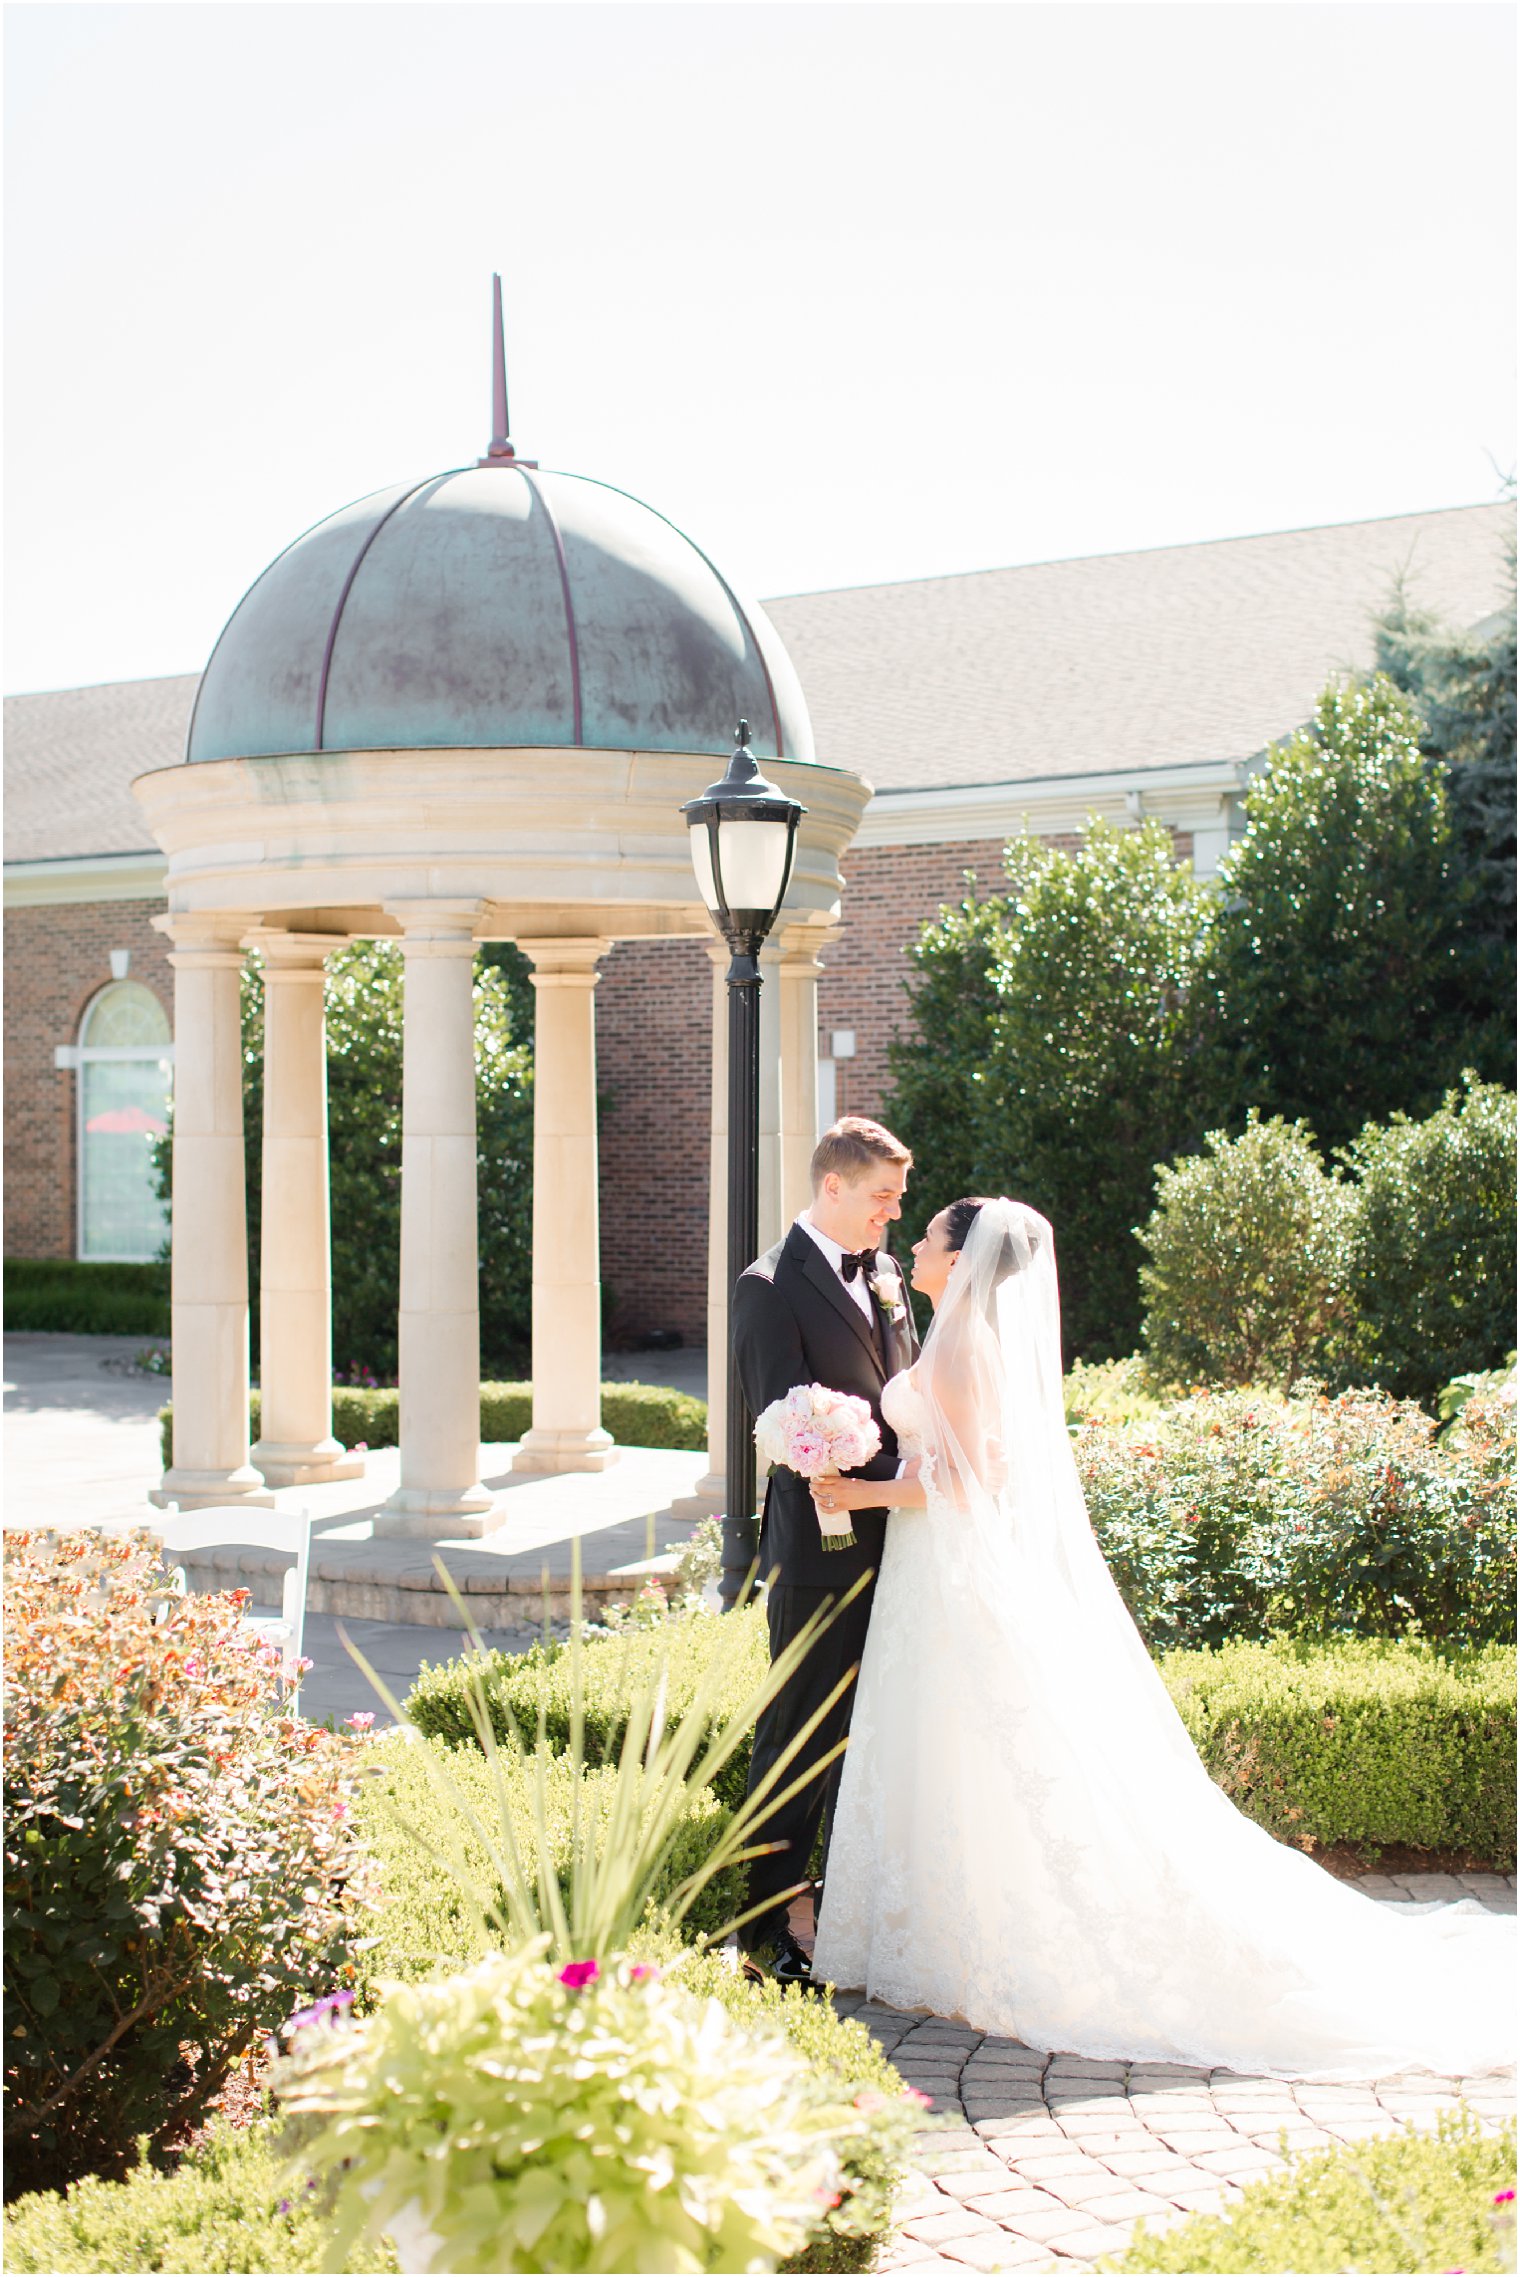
[[548, 1453], [290, 1464], [439, 1514], [707, 1499], [210, 1490]]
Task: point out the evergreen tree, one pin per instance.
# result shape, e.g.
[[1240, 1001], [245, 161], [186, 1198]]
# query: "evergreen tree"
[[1463, 685], [1338, 961]]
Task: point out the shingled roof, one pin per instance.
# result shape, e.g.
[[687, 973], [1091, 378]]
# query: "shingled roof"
[[1179, 654]]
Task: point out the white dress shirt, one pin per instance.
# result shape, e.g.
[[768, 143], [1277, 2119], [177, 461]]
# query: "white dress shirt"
[[855, 1287]]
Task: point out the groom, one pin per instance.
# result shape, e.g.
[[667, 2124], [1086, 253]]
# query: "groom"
[[828, 1305]]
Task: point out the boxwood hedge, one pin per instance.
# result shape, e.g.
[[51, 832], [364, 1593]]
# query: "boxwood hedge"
[[1362, 1740], [637, 1415]]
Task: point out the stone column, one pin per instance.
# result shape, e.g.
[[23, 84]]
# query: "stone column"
[[440, 1493], [710, 1494], [800, 971], [772, 1222], [567, 1432], [209, 1269], [296, 1446]]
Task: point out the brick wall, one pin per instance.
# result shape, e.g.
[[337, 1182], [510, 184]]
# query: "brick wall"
[[654, 1072], [56, 959]]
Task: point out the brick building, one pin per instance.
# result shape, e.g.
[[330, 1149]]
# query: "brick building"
[[1131, 685]]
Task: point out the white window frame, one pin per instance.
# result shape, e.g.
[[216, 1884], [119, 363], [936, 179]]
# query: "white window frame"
[[75, 1056]]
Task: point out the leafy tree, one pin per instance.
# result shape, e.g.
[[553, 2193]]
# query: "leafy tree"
[[1337, 959], [1432, 1252], [1054, 1051], [364, 1046], [1245, 1278], [1463, 684]]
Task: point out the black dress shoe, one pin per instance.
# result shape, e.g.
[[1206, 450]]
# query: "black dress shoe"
[[780, 1960]]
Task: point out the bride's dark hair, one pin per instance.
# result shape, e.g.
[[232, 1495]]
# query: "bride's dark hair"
[[961, 1216]]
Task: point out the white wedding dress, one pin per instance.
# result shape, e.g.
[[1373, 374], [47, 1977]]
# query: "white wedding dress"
[[1024, 1836]]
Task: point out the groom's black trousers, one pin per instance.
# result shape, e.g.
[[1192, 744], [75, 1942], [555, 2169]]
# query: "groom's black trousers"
[[796, 1824]]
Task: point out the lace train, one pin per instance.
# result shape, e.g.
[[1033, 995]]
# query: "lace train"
[[1008, 1851]]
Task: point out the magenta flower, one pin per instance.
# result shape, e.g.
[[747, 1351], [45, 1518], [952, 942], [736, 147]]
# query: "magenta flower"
[[1504, 2197], [321, 2011], [641, 1970], [578, 1973]]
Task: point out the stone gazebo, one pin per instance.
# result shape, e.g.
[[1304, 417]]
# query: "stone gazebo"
[[463, 709]]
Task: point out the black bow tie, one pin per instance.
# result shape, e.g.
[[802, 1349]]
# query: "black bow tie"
[[853, 1262]]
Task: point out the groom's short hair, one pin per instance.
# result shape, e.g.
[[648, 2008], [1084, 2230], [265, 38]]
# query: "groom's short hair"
[[853, 1146]]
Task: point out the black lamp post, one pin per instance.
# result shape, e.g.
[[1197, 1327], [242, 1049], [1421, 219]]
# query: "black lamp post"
[[743, 831]]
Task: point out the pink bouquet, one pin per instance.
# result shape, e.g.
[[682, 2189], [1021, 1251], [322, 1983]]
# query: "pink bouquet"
[[818, 1433]]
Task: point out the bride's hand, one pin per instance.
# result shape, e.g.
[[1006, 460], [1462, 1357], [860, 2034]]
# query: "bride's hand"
[[835, 1494]]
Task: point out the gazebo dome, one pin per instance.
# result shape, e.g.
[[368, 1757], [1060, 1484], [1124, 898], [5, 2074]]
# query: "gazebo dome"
[[496, 606]]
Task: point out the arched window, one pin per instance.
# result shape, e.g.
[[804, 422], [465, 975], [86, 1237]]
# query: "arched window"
[[126, 1064]]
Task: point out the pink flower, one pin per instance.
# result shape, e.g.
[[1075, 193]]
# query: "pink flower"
[[1504, 2197], [578, 1973], [643, 1969], [869, 2100], [362, 1721], [917, 2095], [809, 1452]]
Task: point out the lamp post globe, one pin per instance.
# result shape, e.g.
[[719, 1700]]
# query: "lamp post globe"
[[743, 835]]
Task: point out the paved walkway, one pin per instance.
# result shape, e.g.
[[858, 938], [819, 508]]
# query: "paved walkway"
[[1052, 2159]]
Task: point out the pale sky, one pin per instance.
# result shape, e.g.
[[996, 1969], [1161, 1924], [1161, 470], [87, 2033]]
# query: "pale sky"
[[852, 292]]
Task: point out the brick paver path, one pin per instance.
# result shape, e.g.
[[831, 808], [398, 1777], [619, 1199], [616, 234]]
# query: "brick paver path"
[[1050, 2160]]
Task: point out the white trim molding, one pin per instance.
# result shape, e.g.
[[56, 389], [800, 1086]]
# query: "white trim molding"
[[86, 877], [1203, 799]]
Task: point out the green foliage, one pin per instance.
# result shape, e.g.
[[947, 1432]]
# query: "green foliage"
[[177, 1859], [410, 1823], [363, 1000], [1111, 1391], [1336, 955], [1245, 1272], [637, 1415], [523, 1689], [1432, 1250], [218, 2211], [1236, 1515], [76, 1298], [1368, 1741], [607, 2123], [1463, 684], [1054, 1052], [1410, 2202]]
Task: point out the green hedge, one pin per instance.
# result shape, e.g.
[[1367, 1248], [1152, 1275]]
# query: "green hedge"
[[67, 1295], [1364, 1740], [522, 1687], [218, 2212], [1410, 2202], [637, 1415], [422, 1921]]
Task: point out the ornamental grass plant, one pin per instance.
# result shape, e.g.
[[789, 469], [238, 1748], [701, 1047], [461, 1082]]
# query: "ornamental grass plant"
[[560, 2104], [708, 1669], [179, 1859]]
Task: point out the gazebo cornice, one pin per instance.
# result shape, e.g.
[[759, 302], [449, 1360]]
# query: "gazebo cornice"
[[550, 841]]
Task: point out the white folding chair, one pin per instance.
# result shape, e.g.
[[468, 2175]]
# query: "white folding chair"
[[260, 1529]]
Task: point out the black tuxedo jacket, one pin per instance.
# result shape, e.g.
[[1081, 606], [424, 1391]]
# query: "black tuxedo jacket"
[[793, 1323]]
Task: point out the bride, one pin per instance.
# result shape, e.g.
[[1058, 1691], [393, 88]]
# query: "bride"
[[1024, 1836]]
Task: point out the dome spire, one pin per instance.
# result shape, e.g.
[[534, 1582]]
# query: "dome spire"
[[500, 452]]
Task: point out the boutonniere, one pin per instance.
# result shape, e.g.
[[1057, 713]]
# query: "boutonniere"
[[886, 1292]]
